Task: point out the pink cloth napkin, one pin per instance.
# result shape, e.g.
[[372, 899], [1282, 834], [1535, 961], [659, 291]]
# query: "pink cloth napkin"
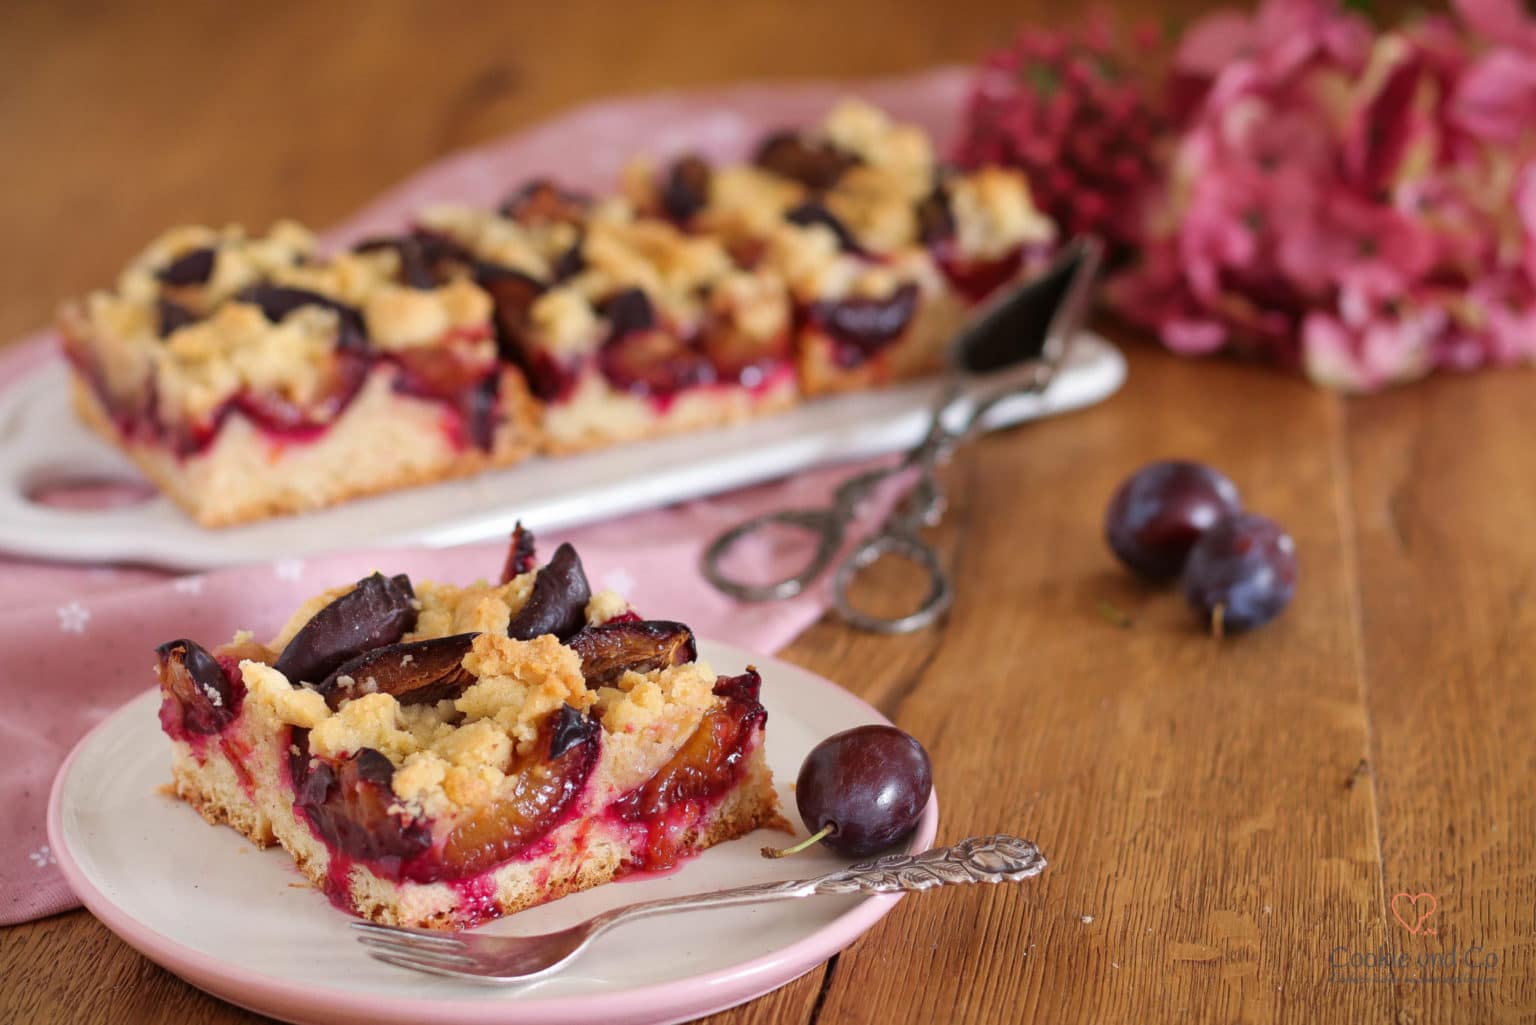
[[77, 640]]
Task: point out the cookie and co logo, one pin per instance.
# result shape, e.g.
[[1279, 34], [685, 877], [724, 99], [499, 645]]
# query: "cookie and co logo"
[[1415, 961], [1413, 911]]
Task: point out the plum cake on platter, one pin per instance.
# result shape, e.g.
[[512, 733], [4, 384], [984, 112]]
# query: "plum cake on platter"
[[247, 377], [252, 376], [439, 756]]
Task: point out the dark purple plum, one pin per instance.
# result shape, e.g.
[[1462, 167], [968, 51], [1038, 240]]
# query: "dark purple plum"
[[378, 611], [416, 673], [628, 312], [812, 212], [866, 786], [1161, 510], [685, 191], [571, 262], [862, 326], [173, 316], [558, 603], [193, 267], [568, 727], [1241, 573], [277, 301], [541, 201], [814, 164], [427, 258]]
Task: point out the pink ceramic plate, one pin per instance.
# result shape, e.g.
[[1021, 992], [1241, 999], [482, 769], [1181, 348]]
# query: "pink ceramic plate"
[[241, 924]]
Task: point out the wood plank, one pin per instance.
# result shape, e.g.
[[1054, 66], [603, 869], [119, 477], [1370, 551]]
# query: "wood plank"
[[1443, 494], [70, 968], [1206, 853]]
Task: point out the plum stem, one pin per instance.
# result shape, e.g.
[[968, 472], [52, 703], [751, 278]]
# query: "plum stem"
[[827, 830], [1218, 620]]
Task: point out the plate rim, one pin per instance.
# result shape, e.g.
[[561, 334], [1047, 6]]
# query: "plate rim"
[[653, 1002]]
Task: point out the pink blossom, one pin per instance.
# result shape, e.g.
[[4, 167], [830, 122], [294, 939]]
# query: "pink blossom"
[[1500, 21], [1360, 205], [1496, 99]]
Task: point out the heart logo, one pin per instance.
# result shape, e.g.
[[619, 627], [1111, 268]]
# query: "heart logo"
[[1406, 909]]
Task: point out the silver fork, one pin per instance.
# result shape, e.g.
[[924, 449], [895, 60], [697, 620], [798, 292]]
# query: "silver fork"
[[503, 959]]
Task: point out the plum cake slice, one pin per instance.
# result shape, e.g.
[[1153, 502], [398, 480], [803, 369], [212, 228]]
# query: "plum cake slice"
[[626, 327], [439, 756], [884, 252], [249, 377]]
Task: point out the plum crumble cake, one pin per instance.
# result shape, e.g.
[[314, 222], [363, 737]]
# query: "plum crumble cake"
[[439, 756], [883, 252], [250, 376], [247, 377], [625, 326]]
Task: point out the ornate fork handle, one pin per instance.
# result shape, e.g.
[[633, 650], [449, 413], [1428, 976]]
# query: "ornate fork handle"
[[979, 859]]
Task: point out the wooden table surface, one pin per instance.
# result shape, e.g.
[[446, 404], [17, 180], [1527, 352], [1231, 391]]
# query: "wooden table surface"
[[1222, 818]]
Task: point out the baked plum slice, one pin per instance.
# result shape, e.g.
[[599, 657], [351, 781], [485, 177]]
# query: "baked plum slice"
[[378, 611], [459, 379], [812, 212], [520, 554], [541, 201], [278, 414], [348, 804], [935, 217], [862, 326], [558, 603], [552, 379], [816, 165], [708, 763], [415, 673], [428, 259], [513, 294], [200, 694], [172, 316], [737, 355], [277, 301], [194, 267], [611, 649], [641, 357], [442, 372], [628, 312], [654, 364], [977, 279], [542, 787], [685, 191]]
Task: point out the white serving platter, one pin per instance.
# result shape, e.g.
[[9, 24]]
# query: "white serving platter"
[[41, 443]]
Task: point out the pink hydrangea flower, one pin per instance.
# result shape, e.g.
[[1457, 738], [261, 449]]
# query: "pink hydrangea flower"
[[1075, 115], [1359, 205]]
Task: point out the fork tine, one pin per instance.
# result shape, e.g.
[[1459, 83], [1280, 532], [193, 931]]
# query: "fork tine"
[[423, 966], [423, 936], [422, 953]]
